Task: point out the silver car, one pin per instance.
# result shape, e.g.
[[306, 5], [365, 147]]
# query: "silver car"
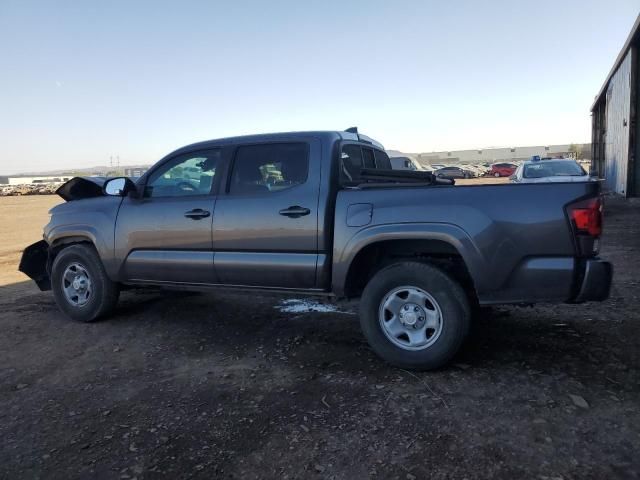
[[557, 170]]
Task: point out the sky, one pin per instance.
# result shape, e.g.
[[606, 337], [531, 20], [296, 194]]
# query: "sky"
[[82, 81]]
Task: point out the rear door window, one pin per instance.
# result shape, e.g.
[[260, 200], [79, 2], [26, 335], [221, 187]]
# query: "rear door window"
[[261, 169]]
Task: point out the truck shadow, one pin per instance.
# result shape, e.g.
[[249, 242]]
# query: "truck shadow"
[[23, 294], [540, 339]]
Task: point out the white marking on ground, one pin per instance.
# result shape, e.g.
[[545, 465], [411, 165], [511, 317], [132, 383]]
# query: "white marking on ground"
[[295, 305]]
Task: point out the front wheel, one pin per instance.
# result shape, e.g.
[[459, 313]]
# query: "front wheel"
[[414, 315], [81, 287], [497, 174]]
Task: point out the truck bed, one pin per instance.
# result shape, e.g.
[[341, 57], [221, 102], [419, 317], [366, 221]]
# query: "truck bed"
[[515, 239]]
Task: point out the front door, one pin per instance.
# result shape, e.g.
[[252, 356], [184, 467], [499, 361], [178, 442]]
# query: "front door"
[[165, 236], [266, 224]]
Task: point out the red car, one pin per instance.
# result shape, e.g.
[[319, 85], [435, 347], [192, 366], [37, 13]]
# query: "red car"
[[502, 169]]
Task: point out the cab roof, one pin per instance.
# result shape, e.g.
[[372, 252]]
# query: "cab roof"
[[350, 134]]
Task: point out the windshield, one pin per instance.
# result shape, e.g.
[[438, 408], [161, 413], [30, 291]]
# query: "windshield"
[[550, 168]]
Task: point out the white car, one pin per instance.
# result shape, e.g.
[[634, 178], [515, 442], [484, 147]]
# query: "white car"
[[557, 170], [407, 163]]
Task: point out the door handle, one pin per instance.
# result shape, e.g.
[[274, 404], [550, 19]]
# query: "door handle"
[[197, 214], [295, 211]]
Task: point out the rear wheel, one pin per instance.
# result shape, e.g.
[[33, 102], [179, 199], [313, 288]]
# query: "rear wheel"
[[497, 174], [81, 287], [414, 315]]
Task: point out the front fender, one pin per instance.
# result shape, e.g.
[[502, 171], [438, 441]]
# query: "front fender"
[[451, 234], [91, 220], [103, 243]]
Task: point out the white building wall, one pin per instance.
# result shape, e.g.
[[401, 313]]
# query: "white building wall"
[[493, 154], [617, 127], [29, 180]]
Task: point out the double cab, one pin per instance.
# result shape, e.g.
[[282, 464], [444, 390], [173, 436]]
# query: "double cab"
[[323, 213]]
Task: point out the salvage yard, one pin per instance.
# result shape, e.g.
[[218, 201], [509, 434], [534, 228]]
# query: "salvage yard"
[[246, 386]]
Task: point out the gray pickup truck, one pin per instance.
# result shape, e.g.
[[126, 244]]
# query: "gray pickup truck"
[[323, 213]]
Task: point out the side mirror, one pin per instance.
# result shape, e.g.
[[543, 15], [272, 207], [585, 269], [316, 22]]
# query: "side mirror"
[[119, 186]]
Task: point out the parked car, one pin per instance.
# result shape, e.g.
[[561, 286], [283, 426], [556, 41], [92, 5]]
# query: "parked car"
[[419, 255], [471, 171], [502, 169], [551, 170], [474, 170], [406, 163], [452, 172]]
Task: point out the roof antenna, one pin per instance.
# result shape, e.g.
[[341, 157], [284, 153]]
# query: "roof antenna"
[[352, 130]]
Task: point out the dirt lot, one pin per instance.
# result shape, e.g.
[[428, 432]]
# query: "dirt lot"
[[221, 386], [21, 222]]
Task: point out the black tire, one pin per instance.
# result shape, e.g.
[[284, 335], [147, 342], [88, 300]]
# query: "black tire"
[[104, 292], [451, 299]]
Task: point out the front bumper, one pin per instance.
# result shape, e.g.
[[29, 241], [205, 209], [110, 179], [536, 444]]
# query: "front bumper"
[[34, 264], [596, 281]]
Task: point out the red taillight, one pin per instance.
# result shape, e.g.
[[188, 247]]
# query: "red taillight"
[[587, 216]]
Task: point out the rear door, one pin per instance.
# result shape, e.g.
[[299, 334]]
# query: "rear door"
[[165, 236], [266, 222]]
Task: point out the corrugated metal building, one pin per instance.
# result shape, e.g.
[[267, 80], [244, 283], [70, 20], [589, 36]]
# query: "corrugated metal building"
[[615, 136]]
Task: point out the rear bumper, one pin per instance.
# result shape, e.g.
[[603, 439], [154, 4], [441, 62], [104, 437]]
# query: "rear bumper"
[[554, 280], [596, 282], [34, 264]]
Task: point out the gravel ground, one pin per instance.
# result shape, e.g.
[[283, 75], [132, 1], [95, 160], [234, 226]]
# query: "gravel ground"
[[235, 386]]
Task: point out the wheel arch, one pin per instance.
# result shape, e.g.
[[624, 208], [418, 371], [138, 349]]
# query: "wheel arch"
[[442, 245], [61, 242]]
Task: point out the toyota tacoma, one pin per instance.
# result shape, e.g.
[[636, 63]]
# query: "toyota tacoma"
[[323, 213]]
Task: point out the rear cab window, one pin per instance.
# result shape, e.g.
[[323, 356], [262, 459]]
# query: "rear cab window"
[[367, 158], [382, 160], [355, 156]]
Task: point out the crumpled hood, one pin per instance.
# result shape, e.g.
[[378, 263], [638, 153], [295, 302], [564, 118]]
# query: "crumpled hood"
[[81, 187]]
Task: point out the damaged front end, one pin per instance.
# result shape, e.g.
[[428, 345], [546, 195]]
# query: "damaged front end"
[[34, 264], [36, 261], [79, 188]]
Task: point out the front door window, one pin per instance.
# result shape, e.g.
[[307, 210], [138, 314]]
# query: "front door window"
[[187, 175]]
